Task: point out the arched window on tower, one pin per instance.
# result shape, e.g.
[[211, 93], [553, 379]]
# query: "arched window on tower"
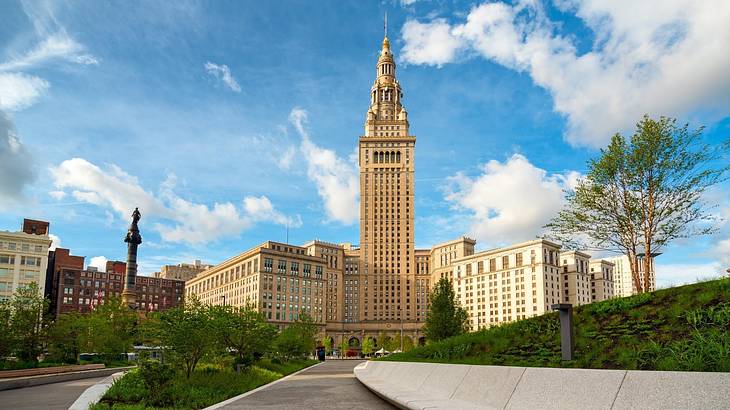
[[397, 156], [375, 157], [382, 157], [387, 157]]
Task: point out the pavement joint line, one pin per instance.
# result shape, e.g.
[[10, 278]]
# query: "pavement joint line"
[[524, 369], [250, 392], [613, 403]]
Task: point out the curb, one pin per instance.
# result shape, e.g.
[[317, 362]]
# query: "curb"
[[93, 394], [242, 395], [28, 381]]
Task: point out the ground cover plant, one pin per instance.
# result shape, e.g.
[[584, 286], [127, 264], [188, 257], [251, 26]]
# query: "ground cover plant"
[[683, 328], [158, 386]]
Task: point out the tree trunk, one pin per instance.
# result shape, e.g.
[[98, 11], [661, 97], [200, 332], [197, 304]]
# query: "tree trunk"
[[634, 264]]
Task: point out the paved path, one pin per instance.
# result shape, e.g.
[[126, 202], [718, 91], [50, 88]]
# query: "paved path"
[[55, 396], [331, 385]]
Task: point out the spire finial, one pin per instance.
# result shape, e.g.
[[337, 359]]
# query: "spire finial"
[[385, 25]]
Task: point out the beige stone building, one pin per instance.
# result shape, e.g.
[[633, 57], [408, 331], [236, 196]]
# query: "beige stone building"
[[383, 285], [24, 257], [602, 285], [624, 284], [182, 271]]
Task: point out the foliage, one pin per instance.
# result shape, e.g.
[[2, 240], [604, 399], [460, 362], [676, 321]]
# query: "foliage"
[[67, 337], [445, 317], [407, 343], [243, 331], [327, 342], [206, 386], [6, 336], [110, 329], [682, 328], [368, 345], [27, 324], [643, 193], [185, 332], [344, 347], [298, 339], [156, 376]]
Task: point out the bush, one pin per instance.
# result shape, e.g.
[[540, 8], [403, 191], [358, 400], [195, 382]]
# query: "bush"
[[156, 376]]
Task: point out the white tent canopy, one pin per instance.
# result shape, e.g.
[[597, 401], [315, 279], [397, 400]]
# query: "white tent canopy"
[[382, 351]]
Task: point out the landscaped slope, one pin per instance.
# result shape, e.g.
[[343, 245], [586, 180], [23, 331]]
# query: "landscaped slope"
[[682, 328]]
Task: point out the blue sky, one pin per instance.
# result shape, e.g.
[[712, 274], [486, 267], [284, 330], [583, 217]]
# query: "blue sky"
[[225, 122]]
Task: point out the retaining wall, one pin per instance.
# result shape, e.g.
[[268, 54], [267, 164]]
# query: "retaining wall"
[[454, 386]]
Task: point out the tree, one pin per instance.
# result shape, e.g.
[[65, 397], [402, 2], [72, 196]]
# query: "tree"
[[344, 347], [407, 343], [327, 342], [111, 329], [298, 339], [641, 194], [367, 346], [6, 336], [445, 317], [243, 330], [67, 337], [185, 333], [27, 322]]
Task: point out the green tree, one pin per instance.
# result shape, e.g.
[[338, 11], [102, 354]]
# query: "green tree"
[[111, 329], [27, 322], [367, 346], [7, 342], [244, 331], [67, 337], [185, 332], [407, 343], [344, 347], [445, 317], [641, 194], [327, 342], [298, 339]]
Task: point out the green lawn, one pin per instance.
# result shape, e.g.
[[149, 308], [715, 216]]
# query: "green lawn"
[[682, 328], [209, 384]]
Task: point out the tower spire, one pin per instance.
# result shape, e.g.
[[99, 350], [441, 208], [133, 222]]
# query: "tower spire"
[[385, 25]]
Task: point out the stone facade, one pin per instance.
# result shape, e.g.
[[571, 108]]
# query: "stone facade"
[[24, 257], [181, 271]]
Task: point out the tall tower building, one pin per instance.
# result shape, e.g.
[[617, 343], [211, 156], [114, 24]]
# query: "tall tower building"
[[386, 157]]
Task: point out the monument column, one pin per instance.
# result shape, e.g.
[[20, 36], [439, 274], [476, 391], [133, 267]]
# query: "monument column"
[[133, 239]]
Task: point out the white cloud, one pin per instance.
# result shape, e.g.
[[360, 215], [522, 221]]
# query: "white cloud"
[[57, 195], [16, 164], [192, 223], [55, 241], [336, 179], [223, 73], [429, 43], [98, 262], [665, 59], [407, 2], [509, 201], [668, 275], [261, 209], [57, 46], [18, 90]]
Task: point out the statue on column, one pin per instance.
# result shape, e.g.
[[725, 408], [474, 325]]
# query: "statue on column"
[[133, 239]]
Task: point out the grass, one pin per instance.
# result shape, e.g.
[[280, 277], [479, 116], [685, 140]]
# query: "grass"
[[209, 384], [684, 328]]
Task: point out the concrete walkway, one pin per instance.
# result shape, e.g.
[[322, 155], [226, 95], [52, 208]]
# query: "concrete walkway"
[[54, 396], [331, 385]]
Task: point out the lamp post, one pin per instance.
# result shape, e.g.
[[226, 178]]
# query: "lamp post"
[[566, 329]]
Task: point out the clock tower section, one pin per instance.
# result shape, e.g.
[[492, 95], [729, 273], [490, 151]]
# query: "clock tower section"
[[386, 159]]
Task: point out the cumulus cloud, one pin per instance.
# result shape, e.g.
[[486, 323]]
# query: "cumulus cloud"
[[223, 73], [55, 242], [192, 223], [509, 201], [669, 274], [16, 164], [336, 178], [98, 262], [18, 90], [660, 60]]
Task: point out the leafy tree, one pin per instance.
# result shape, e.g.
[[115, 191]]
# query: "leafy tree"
[[344, 347], [391, 343], [445, 317], [641, 194], [27, 322], [367, 346], [327, 342], [6, 336], [407, 343], [298, 339], [67, 337], [185, 332], [244, 331], [380, 342], [111, 329]]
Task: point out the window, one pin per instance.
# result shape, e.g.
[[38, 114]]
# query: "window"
[[268, 264], [505, 262], [7, 259], [518, 259]]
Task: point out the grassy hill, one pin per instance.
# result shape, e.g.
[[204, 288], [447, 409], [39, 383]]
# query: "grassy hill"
[[682, 328]]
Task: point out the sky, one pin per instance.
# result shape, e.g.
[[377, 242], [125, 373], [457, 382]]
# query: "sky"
[[230, 123]]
